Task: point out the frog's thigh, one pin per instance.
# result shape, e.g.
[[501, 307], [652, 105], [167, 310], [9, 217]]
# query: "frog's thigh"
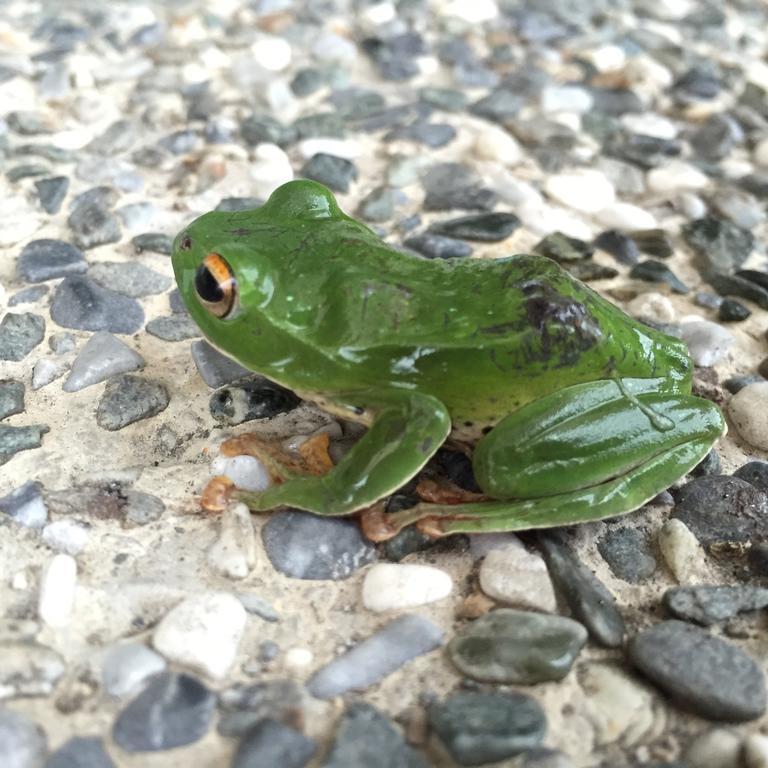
[[586, 435], [408, 428]]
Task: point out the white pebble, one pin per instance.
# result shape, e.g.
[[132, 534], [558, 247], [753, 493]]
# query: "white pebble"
[[391, 586], [57, 591], [20, 580], [760, 154], [542, 219], [480, 544], [47, 370], [650, 124], [676, 176], [626, 216], [756, 751], [495, 144], [517, 577], [566, 98], [125, 667], [584, 190], [338, 147], [331, 47], [692, 206], [718, 748], [707, 342], [102, 356], [509, 188], [202, 632], [233, 554], [606, 58], [681, 551], [66, 536], [246, 472], [380, 13], [471, 11], [296, 660], [272, 53], [749, 410], [652, 306], [270, 169]]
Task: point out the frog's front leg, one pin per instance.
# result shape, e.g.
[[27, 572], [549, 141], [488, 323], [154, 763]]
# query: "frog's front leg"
[[407, 429], [584, 453]]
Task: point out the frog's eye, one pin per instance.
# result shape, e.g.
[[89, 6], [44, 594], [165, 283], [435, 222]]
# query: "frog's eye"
[[215, 285]]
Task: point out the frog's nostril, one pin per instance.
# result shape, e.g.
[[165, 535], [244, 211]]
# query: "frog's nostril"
[[186, 243]]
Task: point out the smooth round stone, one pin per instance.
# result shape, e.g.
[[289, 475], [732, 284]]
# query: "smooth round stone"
[[760, 154], [11, 398], [566, 98], [173, 328], [718, 748], [724, 245], [127, 666], [139, 217], [676, 176], [748, 409], [453, 185], [755, 473], [707, 342], [246, 472], [743, 209], [495, 144], [512, 575], [485, 227], [691, 205], [755, 751], [392, 586], [67, 536], [732, 311], [215, 369], [30, 295], [102, 357], [519, 647], [542, 219], [154, 242], [583, 190], [654, 242], [379, 205], [25, 505], [654, 271], [711, 604], [129, 278], [57, 591], [92, 224], [438, 246], [81, 752], [480, 728], [47, 259], [650, 124], [628, 553], [625, 216], [82, 304], [337, 173], [23, 743], [128, 399], [653, 306], [20, 333], [202, 632], [272, 743], [703, 673], [305, 546], [271, 53], [172, 711]]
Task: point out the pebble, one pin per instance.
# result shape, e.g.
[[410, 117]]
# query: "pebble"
[[153, 242], [390, 586], [584, 190], [129, 278], [718, 748], [519, 647], [29, 669], [478, 728], [512, 575], [139, 217], [705, 674], [23, 743], [379, 205], [563, 248], [11, 398], [485, 227], [675, 177], [25, 505], [337, 173], [708, 342], [754, 472], [625, 216], [731, 311], [92, 223], [257, 606], [47, 259], [653, 306], [20, 333], [81, 752], [244, 706], [720, 508], [438, 246], [51, 192], [233, 554], [15, 439], [30, 295], [496, 145], [712, 604], [453, 185], [202, 632], [658, 272], [628, 553], [743, 209], [376, 657], [101, 357], [172, 711], [755, 751], [128, 399], [272, 743], [306, 546], [67, 536], [82, 304], [215, 369], [62, 342], [748, 409], [126, 667], [589, 600], [723, 245], [246, 472], [739, 285], [47, 370], [57, 591]]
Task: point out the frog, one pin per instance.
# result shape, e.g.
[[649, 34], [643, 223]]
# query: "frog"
[[569, 409]]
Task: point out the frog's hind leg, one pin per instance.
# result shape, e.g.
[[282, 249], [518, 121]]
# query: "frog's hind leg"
[[584, 453]]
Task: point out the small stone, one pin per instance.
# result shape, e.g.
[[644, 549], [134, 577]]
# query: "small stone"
[[438, 246], [173, 328], [676, 176], [514, 576], [566, 98], [584, 190], [711, 604], [625, 216], [616, 101], [216, 369], [707, 342], [619, 245], [257, 606], [51, 192], [250, 398], [102, 357], [82, 304], [154, 242], [717, 748], [479, 728], [495, 144], [128, 399], [47, 370], [29, 122], [29, 669], [234, 204], [67, 536], [81, 752], [732, 311], [589, 600], [484, 227], [306, 546], [390, 586], [129, 278], [92, 223], [737, 285], [433, 135], [709, 465], [307, 81], [705, 674], [25, 505], [627, 552], [376, 657], [62, 342], [654, 242], [452, 185], [246, 472], [747, 408], [708, 300], [657, 272], [20, 333], [735, 384], [519, 647], [379, 205], [138, 217], [233, 554], [716, 137], [743, 209], [126, 667], [57, 591], [202, 632], [723, 245], [681, 550], [563, 249], [755, 751], [23, 743], [271, 168], [337, 173], [654, 307], [754, 472], [172, 711], [272, 743], [29, 295], [15, 439], [697, 83], [11, 398]]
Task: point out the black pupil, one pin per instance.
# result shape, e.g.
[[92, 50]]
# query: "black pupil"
[[206, 285]]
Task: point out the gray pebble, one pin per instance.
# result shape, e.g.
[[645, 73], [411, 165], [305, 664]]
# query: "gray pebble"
[[628, 552], [173, 328], [128, 399], [81, 752], [723, 245], [106, 501], [154, 242], [62, 342], [378, 205], [47, 259], [102, 357], [29, 295], [214, 368], [258, 606], [20, 333], [51, 192], [81, 303], [129, 278], [11, 398], [712, 604], [15, 439], [25, 505], [243, 706], [90, 219], [137, 217], [253, 397], [127, 666], [755, 473], [23, 743], [271, 743], [452, 185], [337, 173], [438, 246], [657, 272]]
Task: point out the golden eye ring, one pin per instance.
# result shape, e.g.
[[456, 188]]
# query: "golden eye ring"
[[215, 285]]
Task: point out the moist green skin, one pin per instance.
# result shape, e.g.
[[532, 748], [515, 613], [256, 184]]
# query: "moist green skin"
[[430, 347]]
